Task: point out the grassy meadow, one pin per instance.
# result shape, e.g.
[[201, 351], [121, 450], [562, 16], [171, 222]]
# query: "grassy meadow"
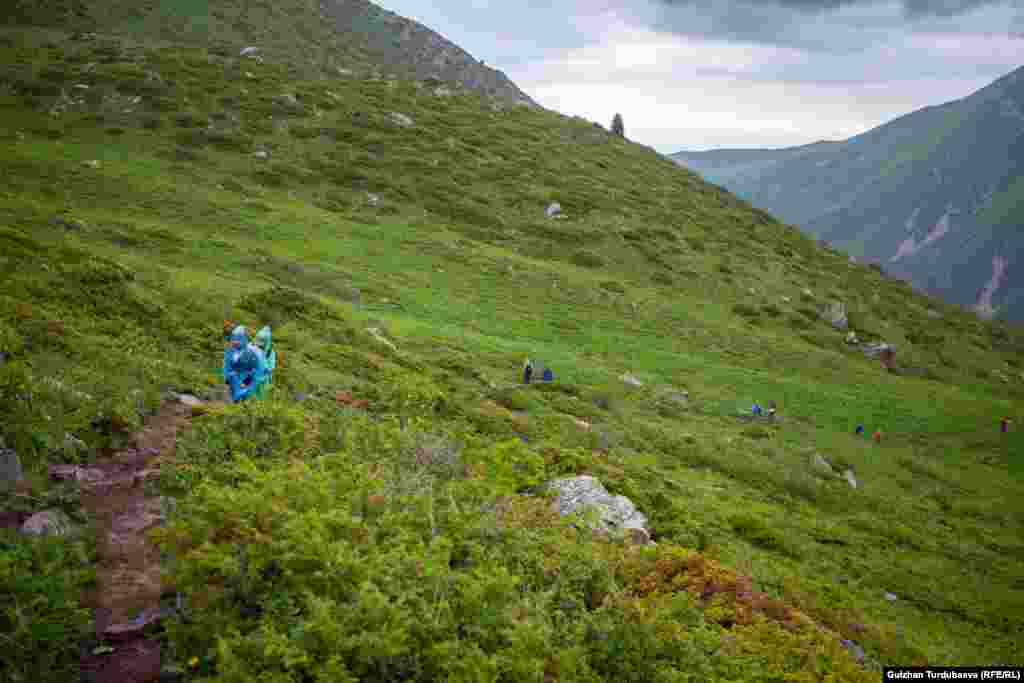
[[314, 542]]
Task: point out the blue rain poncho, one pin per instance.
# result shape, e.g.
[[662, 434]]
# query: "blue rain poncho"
[[264, 342], [244, 367]]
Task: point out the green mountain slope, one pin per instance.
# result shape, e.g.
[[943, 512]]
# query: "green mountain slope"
[[183, 186], [314, 38], [934, 195]]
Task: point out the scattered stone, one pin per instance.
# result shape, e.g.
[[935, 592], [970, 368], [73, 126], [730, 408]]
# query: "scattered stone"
[[372, 199], [378, 334], [189, 400], [822, 465], [401, 119], [288, 101], [582, 424], [674, 396], [786, 300], [752, 291], [261, 154], [807, 292], [935, 315], [891, 597], [47, 523], [854, 649], [72, 444], [92, 163], [850, 479], [617, 513], [553, 210], [631, 380], [248, 51], [10, 467]]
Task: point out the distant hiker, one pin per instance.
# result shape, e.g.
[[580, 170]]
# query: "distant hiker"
[[877, 436], [1004, 425], [265, 346], [771, 410], [888, 358], [859, 430], [527, 371], [756, 410], [548, 376], [243, 365]]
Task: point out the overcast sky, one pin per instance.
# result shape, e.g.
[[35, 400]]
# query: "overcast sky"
[[699, 74]]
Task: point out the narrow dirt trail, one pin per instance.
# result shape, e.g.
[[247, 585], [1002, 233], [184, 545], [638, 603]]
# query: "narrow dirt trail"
[[126, 598]]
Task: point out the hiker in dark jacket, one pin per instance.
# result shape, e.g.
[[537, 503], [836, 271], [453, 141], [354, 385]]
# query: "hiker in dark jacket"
[[527, 371]]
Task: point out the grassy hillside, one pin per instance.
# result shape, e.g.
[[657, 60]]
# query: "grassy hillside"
[[313, 542], [314, 38]]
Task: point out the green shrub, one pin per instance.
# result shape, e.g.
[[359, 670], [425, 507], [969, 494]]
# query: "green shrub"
[[613, 286], [745, 310], [587, 259], [754, 529], [191, 119], [40, 584]]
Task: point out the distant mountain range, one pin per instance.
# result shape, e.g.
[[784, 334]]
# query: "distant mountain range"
[[935, 196]]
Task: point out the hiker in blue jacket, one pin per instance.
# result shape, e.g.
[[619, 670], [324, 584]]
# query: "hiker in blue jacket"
[[265, 346], [756, 410], [548, 376], [244, 367]]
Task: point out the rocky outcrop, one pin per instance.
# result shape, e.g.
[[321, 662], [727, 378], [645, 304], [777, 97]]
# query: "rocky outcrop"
[[616, 515], [408, 45]]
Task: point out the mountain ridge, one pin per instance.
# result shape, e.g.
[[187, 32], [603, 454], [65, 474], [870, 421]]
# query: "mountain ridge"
[[911, 193]]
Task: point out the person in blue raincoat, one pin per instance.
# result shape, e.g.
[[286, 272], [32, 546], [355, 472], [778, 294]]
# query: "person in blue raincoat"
[[264, 344], [244, 367]]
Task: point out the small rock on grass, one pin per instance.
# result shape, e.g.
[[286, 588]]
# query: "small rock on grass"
[[48, 523]]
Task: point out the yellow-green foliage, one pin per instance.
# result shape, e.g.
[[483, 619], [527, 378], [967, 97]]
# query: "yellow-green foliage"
[[334, 569]]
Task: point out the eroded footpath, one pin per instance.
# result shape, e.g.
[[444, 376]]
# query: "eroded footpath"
[[126, 598]]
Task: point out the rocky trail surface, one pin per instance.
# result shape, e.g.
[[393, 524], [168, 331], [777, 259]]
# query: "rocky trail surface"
[[125, 601]]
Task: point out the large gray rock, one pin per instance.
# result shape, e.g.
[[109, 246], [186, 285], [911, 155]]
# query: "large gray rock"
[[554, 209], [616, 514], [48, 523], [10, 467]]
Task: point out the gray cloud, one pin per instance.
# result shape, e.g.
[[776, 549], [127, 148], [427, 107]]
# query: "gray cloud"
[[824, 25], [911, 8]]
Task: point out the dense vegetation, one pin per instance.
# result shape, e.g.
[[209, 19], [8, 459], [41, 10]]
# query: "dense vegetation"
[[314, 542]]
